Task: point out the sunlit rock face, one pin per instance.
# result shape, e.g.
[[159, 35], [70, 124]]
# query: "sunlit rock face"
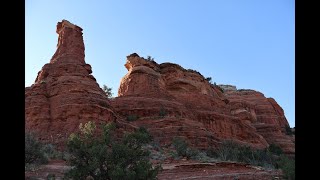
[[267, 116], [202, 113], [167, 99], [65, 93]]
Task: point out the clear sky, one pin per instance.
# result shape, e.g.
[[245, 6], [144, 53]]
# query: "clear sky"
[[246, 43]]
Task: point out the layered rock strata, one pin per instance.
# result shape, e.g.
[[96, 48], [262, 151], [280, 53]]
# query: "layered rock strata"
[[65, 93], [167, 99], [175, 102]]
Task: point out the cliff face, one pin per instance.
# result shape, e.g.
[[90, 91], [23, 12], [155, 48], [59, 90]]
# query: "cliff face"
[[65, 93], [167, 99], [194, 109], [267, 116]]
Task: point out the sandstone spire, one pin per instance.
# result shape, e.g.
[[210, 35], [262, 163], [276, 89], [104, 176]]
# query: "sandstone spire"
[[70, 42], [65, 93]]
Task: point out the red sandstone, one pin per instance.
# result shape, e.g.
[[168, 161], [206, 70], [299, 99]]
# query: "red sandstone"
[[169, 100]]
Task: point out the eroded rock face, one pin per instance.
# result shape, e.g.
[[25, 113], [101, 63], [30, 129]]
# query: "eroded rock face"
[[65, 93], [174, 102], [266, 116], [167, 99]]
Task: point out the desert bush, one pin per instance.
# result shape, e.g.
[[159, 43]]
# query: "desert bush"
[[107, 90], [34, 150], [231, 151], [183, 149], [162, 112], [51, 176], [132, 117], [174, 155], [181, 146], [211, 152], [288, 166], [157, 155], [52, 153], [194, 71], [156, 145], [275, 149], [289, 131], [209, 79], [149, 58], [202, 157], [105, 157], [262, 157], [228, 150], [242, 90]]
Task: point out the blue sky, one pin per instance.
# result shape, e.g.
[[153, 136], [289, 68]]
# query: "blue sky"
[[247, 43]]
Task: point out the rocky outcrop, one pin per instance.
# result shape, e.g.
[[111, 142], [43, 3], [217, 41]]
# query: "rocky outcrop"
[[167, 99], [226, 88], [192, 108], [266, 116], [65, 93]]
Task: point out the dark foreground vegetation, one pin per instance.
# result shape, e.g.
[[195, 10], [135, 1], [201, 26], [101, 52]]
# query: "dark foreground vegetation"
[[271, 157], [97, 153]]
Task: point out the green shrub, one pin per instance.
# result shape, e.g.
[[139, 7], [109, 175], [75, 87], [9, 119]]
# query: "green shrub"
[[105, 157], [132, 117], [288, 166], [174, 155], [270, 157], [107, 90], [289, 131], [231, 151], [209, 79], [156, 152], [211, 152], [247, 155], [226, 151], [193, 71], [203, 157], [51, 152], [183, 150], [192, 153], [51, 176], [243, 90], [181, 146], [149, 58], [261, 157], [34, 150], [275, 149], [31, 167], [162, 112], [156, 145], [49, 149]]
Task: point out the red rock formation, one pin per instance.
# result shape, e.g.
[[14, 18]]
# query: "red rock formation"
[[168, 100], [65, 93], [194, 109], [266, 116]]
